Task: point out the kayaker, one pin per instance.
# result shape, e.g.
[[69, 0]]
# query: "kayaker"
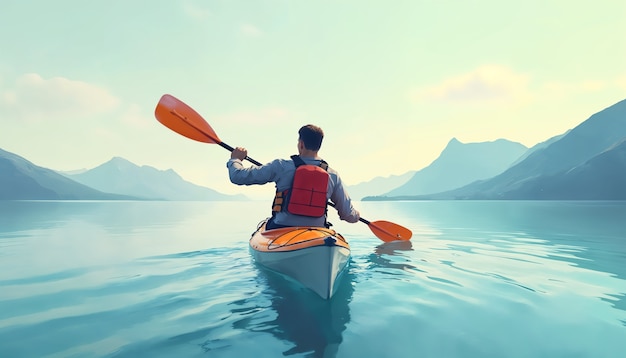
[[288, 208]]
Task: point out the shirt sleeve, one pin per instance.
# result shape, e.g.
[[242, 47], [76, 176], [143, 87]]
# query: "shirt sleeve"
[[343, 203], [241, 175]]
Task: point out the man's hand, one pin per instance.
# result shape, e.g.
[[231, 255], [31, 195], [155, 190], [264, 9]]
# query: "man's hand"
[[239, 153]]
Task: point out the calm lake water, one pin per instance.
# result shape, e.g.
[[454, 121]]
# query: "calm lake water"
[[175, 279]]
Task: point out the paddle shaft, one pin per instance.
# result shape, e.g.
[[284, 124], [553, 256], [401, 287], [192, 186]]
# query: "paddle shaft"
[[215, 140], [246, 158]]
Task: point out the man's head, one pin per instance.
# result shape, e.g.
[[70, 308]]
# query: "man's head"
[[311, 136]]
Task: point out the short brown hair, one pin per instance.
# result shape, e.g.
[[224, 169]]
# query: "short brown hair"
[[311, 136]]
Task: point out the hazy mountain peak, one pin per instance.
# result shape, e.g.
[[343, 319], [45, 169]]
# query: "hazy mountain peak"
[[21, 179], [121, 176], [460, 164], [453, 144], [119, 163], [378, 186]]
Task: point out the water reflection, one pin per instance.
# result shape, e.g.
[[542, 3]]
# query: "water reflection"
[[393, 255], [391, 248], [313, 325]]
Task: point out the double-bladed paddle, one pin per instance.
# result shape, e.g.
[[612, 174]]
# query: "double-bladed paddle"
[[184, 120]]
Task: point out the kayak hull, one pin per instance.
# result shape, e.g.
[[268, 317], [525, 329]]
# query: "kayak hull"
[[314, 257]]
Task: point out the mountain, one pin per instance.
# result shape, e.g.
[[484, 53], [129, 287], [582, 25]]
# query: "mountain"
[[600, 178], [23, 180], [586, 163], [71, 172], [460, 164], [539, 146], [120, 176], [378, 185]]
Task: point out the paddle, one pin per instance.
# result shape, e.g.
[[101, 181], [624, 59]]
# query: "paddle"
[[182, 119]]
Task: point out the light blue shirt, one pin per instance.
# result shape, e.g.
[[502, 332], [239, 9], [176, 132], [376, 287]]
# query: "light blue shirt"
[[281, 172]]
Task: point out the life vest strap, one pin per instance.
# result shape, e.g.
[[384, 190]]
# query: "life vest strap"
[[277, 205]]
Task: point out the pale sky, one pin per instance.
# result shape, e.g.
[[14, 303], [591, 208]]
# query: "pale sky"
[[390, 82]]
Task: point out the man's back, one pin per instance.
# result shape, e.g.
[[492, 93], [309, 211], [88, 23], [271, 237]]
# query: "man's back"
[[281, 172]]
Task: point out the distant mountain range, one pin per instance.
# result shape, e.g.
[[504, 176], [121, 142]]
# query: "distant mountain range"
[[117, 179], [539, 146], [460, 164], [119, 176], [23, 180], [588, 162], [378, 185]]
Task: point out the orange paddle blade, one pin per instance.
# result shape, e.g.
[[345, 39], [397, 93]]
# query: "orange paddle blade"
[[182, 119], [388, 231]]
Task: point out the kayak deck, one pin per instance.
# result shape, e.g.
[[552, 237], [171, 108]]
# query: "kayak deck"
[[314, 256]]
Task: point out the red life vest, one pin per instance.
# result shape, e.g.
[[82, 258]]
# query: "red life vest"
[[307, 195]]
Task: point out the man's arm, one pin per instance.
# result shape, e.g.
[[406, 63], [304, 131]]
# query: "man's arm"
[[241, 175], [343, 203]]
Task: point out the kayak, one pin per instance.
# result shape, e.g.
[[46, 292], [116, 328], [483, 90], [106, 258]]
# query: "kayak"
[[316, 257]]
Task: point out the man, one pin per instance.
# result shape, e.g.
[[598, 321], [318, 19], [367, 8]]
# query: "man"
[[289, 209]]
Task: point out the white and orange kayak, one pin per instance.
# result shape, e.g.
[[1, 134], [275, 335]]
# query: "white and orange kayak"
[[313, 256]]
